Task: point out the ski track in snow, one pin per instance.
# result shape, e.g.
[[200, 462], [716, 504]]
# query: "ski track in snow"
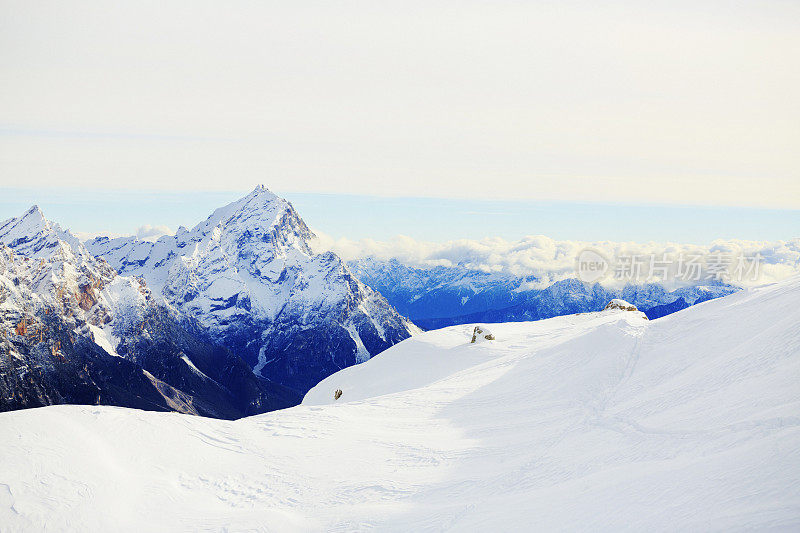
[[600, 421]]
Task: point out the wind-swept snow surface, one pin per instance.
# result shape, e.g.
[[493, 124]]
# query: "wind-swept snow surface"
[[600, 421]]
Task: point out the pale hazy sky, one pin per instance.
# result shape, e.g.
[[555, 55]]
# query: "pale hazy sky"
[[667, 102]]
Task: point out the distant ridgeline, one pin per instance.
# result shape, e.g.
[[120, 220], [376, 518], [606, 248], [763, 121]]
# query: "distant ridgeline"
[[444, 296]]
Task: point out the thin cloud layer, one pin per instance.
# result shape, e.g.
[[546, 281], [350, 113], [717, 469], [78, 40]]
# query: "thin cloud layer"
[[669, 102], [145, 233], [548, 260], [152, 233]]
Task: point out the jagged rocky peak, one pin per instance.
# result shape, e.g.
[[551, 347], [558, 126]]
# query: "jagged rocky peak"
[[46, 268], [249, 276], [74, 331], [261, 216], [34, 236], [26, 228], [261, 224], [50, 267], [34, 220]]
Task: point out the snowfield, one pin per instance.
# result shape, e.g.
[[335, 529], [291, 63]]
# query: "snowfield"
[[598, 421]]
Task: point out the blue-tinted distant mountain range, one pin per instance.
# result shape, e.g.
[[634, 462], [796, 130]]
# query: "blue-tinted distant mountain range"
[[442, 296]]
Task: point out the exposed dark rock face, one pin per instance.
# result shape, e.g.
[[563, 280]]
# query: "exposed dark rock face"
[[163, 366], [177, 354], [73, 331], [50, 364], [50, 360]]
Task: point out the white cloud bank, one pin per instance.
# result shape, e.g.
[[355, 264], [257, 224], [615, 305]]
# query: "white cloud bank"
[[549, 260], [152, 233], [144, 233]]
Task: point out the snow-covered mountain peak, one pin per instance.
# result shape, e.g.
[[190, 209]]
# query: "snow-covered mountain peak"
[[34, 236], [81, 333], [35, 216], [259, 218], [249, 276], [50, 268], [260, 201], [23, 229]]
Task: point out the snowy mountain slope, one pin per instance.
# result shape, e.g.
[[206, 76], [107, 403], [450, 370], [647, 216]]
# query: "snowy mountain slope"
[[248, 276], [73, 331], [58, 270], [423, 293], [33, 236], [599, 421], [440, 296]]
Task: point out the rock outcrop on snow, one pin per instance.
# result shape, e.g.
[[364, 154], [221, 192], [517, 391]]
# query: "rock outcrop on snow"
[[620, 304], [480, 334]]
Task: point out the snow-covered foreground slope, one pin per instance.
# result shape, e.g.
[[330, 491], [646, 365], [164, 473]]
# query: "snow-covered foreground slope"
[[600, 421]]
